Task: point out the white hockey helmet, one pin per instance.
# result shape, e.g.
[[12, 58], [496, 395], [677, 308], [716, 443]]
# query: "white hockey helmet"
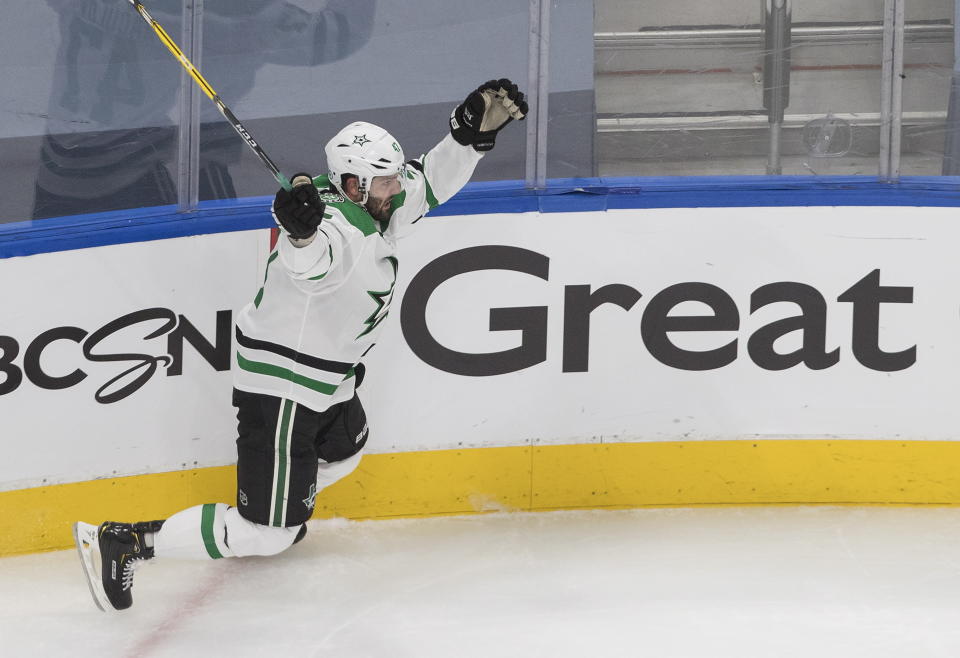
[[366, 151]]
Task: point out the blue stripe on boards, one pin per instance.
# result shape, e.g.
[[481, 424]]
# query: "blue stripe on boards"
[[560, 195], [137, 225]]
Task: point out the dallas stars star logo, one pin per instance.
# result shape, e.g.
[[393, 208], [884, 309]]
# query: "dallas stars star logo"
[[360, 140], [382, 299], [311, 499]]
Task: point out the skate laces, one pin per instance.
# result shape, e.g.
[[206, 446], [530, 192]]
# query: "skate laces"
[[131, 565]]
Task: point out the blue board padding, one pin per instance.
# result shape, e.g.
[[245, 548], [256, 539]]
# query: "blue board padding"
[[560, 195]]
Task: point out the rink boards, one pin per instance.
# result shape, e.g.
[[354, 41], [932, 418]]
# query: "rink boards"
[[623, 358]]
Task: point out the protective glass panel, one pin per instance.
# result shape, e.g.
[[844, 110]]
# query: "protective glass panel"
[[738, 87], [571, 114], [929, 144], [296, 73], [89, 99]]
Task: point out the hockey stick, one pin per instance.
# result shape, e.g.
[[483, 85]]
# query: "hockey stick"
[[208, 90]]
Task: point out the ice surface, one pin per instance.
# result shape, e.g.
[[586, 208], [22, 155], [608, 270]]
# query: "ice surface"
[[739, 582]]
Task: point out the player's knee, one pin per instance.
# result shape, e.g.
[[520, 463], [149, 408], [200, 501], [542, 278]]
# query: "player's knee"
[[328, 473], [247, 538]]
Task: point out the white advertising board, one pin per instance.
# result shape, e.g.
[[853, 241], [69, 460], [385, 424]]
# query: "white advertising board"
[[873, 314], [74, 321], [626, 325]]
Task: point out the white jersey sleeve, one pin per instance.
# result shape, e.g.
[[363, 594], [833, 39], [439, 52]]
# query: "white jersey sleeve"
[[312, 262], [324, 262], [429, 181]]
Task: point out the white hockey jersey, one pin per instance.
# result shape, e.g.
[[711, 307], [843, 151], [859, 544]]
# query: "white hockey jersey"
[[322, 306]]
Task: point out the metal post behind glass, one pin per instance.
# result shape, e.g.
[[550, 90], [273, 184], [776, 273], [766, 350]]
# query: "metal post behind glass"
[[951, 147], [776, 73], [188, 136], [891, 100], [538, 82]]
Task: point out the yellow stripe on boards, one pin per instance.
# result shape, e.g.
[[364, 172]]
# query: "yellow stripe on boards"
[[41, 519], [551, 477], [747, 472]]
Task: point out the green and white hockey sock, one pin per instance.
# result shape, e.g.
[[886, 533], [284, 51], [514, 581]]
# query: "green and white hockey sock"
[[196, 533], [216, 530]]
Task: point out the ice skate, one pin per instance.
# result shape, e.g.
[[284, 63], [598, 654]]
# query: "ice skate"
[[109, 555]]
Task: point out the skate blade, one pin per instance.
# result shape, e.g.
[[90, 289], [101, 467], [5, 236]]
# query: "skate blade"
[[85, 536]]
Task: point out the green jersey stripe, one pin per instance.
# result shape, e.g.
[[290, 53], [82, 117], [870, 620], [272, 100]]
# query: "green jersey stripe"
[[320, 276], [357, 216], [207, 515], [398, 201], [271, 370], [259, 297]]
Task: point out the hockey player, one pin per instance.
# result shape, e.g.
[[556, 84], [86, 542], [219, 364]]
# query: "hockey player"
[[327, 288]]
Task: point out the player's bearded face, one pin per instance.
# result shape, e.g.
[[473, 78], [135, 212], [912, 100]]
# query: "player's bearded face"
[[380, 196]]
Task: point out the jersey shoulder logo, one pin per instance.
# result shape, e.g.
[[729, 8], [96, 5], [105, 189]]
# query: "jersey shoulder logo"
[[331, 197]]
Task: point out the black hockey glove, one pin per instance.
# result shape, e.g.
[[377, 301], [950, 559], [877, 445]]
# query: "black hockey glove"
[[494, 104], [299, 211]]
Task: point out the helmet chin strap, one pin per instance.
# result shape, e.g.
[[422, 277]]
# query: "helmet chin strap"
[[362, 189]]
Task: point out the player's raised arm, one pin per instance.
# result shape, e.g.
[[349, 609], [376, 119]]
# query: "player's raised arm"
[[305, 251], [435, 177]]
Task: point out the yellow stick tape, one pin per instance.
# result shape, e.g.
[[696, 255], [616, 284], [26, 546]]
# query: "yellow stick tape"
[[528, 478]]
